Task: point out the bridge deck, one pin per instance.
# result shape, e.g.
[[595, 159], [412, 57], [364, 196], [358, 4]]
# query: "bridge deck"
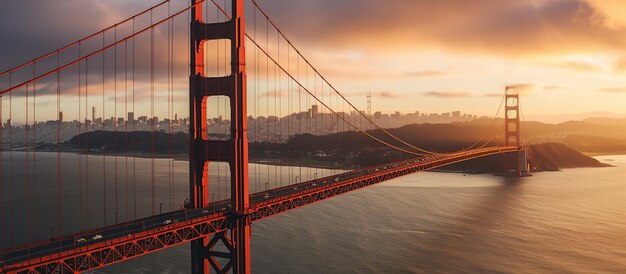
[[132, 239]]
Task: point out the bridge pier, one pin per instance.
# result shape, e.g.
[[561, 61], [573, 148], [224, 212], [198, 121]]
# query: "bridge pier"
[[204, 255]]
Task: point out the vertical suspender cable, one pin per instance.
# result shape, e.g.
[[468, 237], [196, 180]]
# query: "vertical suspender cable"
[[87, 140], [58, 135], [169, 106], [34, 187], [12, 210], [134, 134], [27, 178], [104, 172], [2, 207], [280, 105], [152, 110], [80, 161], [115, 120], [126, 131], [267, 99]]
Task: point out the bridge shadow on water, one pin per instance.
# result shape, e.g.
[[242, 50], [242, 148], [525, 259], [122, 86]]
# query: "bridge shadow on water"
[[472, 241]]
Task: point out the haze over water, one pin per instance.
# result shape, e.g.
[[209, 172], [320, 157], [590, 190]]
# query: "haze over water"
[[553, 222]]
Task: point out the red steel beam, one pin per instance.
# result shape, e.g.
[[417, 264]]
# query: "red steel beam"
[[110, 252]]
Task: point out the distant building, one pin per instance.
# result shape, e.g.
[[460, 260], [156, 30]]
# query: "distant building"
[[60, 118], [314, 110], [456, 114], [378, 115], [130, 117]]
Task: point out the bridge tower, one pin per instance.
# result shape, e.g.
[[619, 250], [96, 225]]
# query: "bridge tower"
[[517, 162], [233, 151]]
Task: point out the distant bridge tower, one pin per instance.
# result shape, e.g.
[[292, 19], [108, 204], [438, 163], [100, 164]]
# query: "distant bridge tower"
[[511, 117], [233, 151], [512, 137], [369, 104]]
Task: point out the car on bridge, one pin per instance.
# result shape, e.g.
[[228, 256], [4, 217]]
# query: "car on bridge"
[[81, 240], [96, 237]]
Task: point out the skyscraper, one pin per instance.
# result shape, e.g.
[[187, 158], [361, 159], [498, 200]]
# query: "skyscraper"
[[93, 114], [130, 118], [314, 110], [60, 117]]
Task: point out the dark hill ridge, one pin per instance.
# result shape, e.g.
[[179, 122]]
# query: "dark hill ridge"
[[341, 149]]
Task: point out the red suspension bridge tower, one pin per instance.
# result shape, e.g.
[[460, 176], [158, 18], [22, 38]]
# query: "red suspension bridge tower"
[[517, 162], [233, 151]]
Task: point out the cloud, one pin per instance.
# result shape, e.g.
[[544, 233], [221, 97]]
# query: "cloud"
[[502, 27], [522, 88], [386, 94], [426, 73], [613, 90], [620, 65], [612, 11], [579, 66], [494, 94], [449, 94], [549, 88]]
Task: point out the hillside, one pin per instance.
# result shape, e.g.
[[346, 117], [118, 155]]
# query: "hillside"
[[348, 149]]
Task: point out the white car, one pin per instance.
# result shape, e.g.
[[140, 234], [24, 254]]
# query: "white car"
[[167, 222], [97, 237]]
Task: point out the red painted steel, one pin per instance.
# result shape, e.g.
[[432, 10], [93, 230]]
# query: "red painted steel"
[[512, 135], [233, 151], [121, 249]]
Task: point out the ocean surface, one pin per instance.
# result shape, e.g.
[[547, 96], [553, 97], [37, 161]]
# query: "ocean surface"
[[573, 221]]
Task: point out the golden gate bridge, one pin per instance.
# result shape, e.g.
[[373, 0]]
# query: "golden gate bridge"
[[136, 67]]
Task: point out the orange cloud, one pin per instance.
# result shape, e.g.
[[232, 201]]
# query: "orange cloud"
[[504, 27], [614, 90], [426, 73], [449, 93], [620, 65], [613, 12]]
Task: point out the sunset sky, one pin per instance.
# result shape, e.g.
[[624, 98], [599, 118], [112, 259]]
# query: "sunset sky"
[[426, 55]]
